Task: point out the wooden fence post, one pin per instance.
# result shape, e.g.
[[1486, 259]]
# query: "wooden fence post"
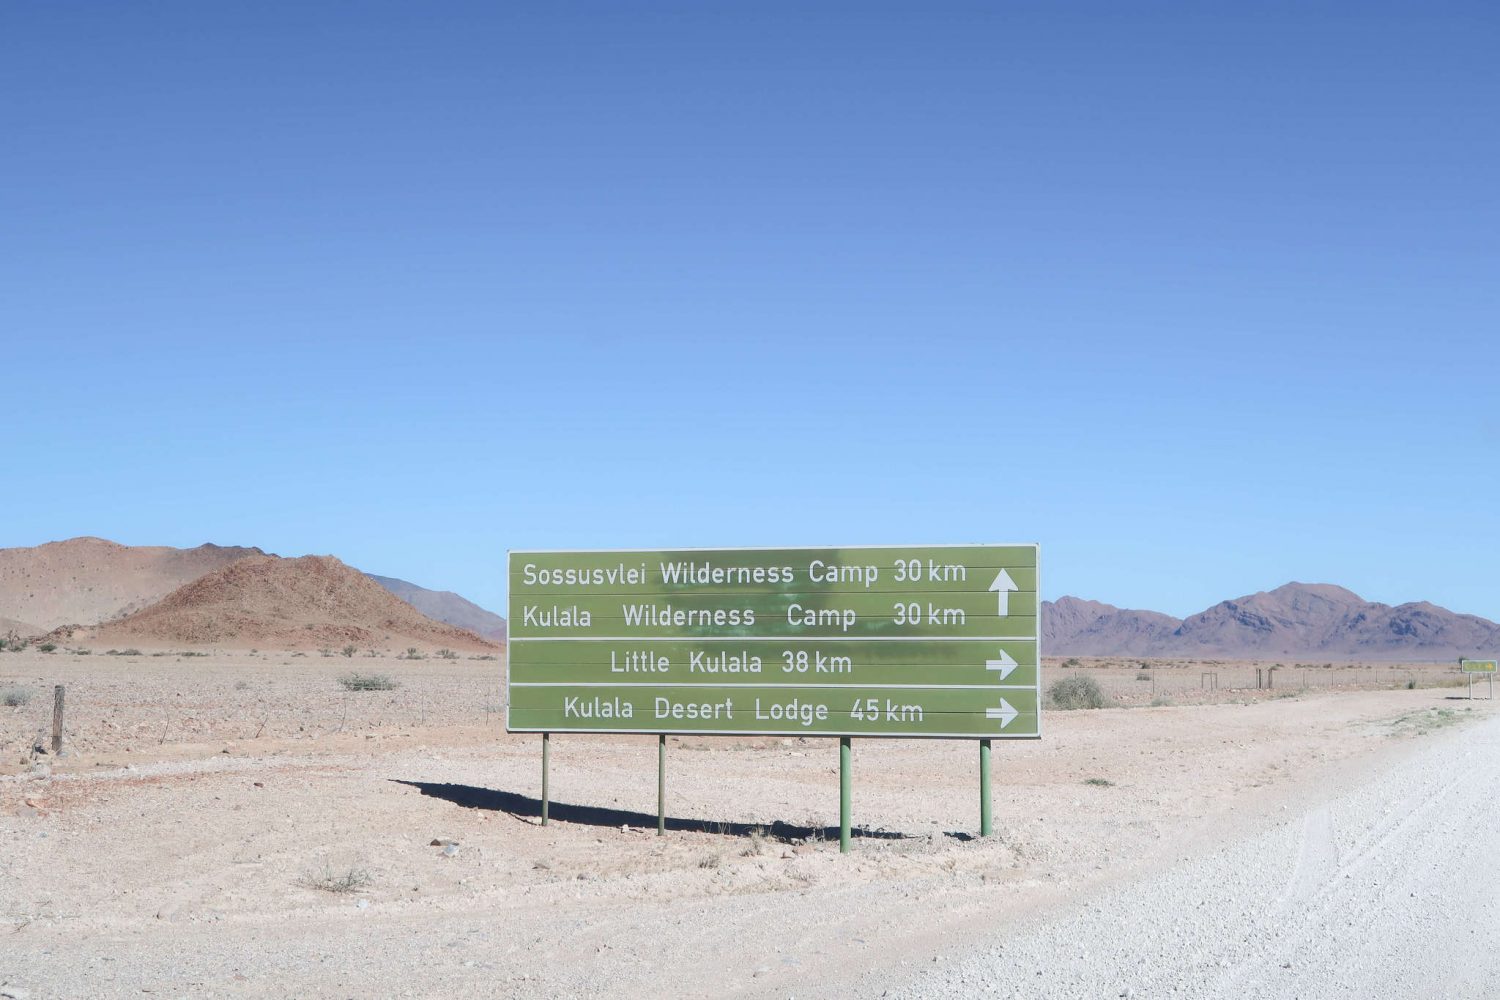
[[57, 720]]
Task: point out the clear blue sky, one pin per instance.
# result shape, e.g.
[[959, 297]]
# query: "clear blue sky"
[[1204, 298]]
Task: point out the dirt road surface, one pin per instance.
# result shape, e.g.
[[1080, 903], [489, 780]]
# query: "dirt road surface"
[[248, 828], [1388, 890]]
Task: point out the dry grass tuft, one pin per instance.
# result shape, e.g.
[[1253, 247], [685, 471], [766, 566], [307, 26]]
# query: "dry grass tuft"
[[328, 880], [367, 682]]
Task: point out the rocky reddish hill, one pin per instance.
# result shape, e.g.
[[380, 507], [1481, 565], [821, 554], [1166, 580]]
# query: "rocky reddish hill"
[[264, 602], [446, 606], [91, 580], [1297, 619]]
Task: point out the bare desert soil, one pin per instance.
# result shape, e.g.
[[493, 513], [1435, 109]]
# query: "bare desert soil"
[[1136, 681], [194, 839]]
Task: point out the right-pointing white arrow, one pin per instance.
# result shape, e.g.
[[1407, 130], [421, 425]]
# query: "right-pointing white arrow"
[[1006, 713], [1005, 664]]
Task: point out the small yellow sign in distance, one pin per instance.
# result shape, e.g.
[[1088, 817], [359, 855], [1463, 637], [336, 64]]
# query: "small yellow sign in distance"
[[1477, 666]]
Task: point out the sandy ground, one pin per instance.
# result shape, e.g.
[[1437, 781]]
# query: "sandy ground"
[[190, 843]]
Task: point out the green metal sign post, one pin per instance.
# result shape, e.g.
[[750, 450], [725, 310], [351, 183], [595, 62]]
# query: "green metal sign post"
[[846, 754], [661, 785], [546, 766], [893, 641], [985, 814]]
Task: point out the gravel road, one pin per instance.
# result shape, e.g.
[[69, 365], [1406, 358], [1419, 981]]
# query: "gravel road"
[[1388, 890]]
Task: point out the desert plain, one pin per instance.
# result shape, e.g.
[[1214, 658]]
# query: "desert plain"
[[242, 824]]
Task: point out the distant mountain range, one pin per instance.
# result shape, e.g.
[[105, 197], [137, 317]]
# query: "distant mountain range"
[[266, 602], [85, 581], [243, 595], [446, 606], [96, 589], [1297, 619]]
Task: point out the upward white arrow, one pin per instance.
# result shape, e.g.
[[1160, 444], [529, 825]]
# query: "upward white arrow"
[[1002, 586], [1005, 664]]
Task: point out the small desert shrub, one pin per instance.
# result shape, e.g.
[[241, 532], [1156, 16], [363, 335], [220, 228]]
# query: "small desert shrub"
[[14, 697], [328, 880], [1161, 701], [367, 682], [80, 652], [1411, 685], [757, 842], [446, 654], [241, 685], [123, 652], [48, 647], [348, 650], [1076, 692], [1072, 661], [1099, 782], [710, 861], [325, 651]]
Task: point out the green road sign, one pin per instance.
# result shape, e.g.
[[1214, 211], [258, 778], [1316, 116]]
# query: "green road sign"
[[889, 641], [1477, 666]]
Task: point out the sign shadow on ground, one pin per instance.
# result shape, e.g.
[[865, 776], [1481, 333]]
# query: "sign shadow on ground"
[[496, 800]]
